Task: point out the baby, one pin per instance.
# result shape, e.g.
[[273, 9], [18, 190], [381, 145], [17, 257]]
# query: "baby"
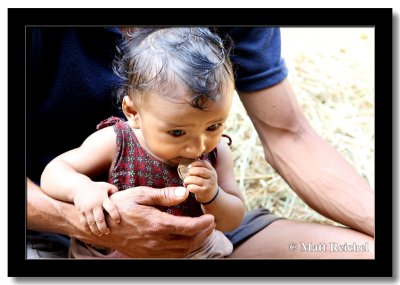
[[176, 97]]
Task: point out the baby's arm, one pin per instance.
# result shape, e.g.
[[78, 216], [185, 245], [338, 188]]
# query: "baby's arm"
[[204, 180], [67, 178]]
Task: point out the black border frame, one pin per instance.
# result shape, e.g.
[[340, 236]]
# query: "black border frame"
[[379, 18]]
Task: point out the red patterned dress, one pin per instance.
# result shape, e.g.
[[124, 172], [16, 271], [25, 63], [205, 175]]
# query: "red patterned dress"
[[134, 166]]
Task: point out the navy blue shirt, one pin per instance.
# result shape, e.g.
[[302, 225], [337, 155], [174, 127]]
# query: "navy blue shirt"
[[257, 58], [69, 89]]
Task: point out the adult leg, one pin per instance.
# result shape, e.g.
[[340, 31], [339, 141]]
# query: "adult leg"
[[292, 239]]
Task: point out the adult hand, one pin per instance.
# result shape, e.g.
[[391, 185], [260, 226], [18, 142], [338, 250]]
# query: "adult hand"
[[146, 232]]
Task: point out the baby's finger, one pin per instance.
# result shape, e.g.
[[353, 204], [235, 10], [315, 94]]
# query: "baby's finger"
[[200, 171], [196, 180], [100, 220], [109, 206], [195, 188], [92, 223], [201, 163]]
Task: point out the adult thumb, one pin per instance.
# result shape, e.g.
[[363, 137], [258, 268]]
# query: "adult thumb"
[[169, 196]]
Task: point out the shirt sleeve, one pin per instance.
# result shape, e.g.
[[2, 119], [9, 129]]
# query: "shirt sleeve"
[[256, 57]]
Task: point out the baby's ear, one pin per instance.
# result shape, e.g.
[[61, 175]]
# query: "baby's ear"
[[130, 110]]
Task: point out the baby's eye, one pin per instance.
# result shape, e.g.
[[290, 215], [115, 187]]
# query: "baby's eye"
[[176, 133], [214, 127]]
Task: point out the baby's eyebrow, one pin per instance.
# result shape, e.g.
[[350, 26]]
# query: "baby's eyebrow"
[[174, 126], [218, 120]]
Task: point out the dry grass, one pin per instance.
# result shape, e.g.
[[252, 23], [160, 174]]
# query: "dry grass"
[[331, 71]]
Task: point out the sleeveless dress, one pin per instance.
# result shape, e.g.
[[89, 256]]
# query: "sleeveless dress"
[[134, 166]]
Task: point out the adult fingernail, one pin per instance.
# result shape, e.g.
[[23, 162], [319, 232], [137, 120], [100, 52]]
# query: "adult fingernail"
[[180, 191]]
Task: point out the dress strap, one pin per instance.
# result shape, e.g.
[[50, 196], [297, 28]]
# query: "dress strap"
[[108, 122]]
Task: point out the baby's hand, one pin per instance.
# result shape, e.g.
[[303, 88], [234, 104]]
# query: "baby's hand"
[[202, 180], [90, 199]]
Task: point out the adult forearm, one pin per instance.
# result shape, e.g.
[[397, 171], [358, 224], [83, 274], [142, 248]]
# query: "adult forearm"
[[313, 169], [50, 215], [47, 214], [324, 180]]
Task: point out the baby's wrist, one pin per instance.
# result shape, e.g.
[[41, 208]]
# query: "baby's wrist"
[[79, 186], [210, 198]]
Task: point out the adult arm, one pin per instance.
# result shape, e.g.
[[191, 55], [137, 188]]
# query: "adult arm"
[[315, 170], [143, 231]]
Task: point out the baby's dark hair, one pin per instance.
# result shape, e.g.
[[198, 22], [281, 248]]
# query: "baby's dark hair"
[[156, 59]]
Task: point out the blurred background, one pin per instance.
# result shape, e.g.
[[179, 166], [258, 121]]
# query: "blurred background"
[[331, 71]]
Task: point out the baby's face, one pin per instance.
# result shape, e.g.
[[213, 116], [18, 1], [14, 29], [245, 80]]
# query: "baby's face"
[[174, 130]]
